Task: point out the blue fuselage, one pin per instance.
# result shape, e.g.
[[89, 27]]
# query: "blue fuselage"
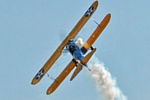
[[75, 50]]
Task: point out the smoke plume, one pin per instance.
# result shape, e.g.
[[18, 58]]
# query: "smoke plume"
[[105, 84]]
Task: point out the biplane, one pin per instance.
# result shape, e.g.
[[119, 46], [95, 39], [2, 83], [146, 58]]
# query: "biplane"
[[80, 54]]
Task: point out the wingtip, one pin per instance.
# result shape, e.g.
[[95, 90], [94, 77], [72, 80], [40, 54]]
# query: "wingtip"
[[96, 2], [33, 82], [49, 91], [109, 15]]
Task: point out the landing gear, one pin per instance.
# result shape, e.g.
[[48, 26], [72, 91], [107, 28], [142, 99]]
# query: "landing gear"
[[76, 63], [92, 48], [83, 64]]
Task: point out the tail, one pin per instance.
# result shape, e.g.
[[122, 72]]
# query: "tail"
[[83, 63]]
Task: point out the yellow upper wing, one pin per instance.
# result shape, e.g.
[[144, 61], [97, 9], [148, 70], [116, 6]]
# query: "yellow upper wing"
[[71, 35]]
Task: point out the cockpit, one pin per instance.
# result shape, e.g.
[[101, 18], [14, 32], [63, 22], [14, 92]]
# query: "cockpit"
[[71, 46], [74, 49]]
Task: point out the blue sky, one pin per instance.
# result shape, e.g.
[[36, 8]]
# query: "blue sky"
[[31, 30]]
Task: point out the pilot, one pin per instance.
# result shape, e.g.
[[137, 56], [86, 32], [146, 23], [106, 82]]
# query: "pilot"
[[72, 49], [72, 45]]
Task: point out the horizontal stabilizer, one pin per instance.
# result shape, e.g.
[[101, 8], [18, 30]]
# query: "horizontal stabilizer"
[[77, 70]]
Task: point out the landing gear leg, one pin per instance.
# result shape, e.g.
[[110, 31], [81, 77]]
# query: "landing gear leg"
[[92, 48]]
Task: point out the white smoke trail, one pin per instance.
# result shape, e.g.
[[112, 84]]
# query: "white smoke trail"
[[104, 82], [103, 79]]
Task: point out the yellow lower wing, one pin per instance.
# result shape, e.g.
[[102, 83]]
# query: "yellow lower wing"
[[71, 35], [77, 70], [61, 77], [96, 33]]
